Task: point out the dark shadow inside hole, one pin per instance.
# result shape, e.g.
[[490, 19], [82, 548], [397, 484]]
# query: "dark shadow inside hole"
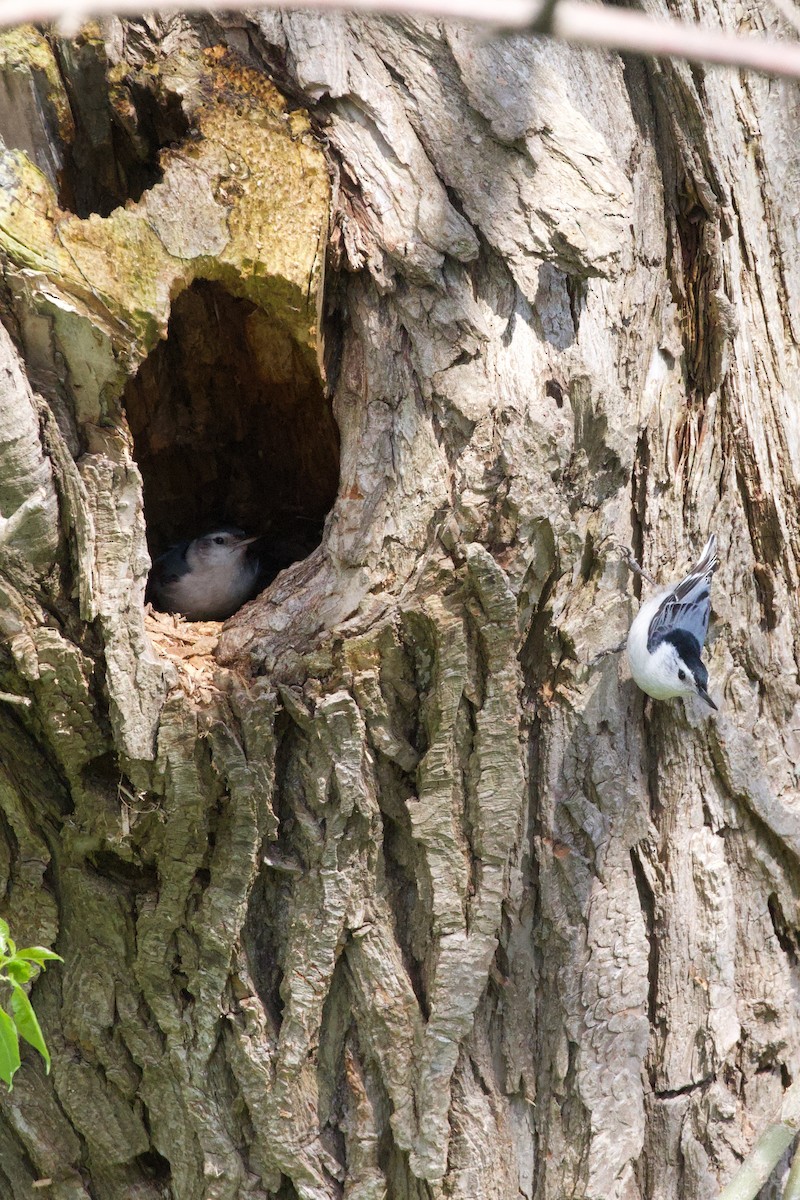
[[154, 1166], [96, 136], [119, 131], [231, 424]]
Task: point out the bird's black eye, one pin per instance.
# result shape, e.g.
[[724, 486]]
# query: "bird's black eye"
[[220, 541], [681, 675]]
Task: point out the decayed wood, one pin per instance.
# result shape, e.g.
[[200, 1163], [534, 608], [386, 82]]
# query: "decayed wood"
[[407, 891]]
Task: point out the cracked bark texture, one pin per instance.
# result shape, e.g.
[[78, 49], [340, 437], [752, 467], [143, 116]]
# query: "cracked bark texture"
[[423, 899]]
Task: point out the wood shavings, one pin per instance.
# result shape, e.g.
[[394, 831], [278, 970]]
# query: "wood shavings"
[[189, 646]]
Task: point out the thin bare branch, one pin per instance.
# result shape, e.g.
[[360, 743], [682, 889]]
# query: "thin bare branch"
[[765, 1155], [624, 29], [594, 25], [792, 1188]]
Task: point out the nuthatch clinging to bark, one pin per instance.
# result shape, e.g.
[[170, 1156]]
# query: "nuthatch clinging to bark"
[[666, 638]]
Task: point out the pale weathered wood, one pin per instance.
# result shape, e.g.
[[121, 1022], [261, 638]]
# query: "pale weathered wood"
[[408, 892]]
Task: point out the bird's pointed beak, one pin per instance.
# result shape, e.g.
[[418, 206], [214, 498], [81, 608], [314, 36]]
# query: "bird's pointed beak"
[[248, 541], [705, 696]]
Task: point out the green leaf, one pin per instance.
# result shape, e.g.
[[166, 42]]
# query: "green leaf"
[[5, 933], [38, 954], [18, 972], [27, 1024], [9, 1048]]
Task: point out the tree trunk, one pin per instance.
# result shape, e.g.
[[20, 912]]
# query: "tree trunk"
[[398, 887]]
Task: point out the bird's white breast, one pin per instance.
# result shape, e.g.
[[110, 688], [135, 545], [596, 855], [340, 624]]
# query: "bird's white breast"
[[213, 594], [648, 670]]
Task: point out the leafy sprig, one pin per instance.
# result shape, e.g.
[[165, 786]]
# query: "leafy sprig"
[[18, 967]]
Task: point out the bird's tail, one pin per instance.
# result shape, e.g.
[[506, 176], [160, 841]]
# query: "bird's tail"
[[708, 560], [702, 571]]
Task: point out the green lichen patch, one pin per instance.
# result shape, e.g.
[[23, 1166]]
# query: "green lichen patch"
[[25, 51], [244, 204]]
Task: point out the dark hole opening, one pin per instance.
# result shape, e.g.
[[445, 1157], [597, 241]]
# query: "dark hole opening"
[[119, 129], [231, 424], [154, 1166], [102, 147]]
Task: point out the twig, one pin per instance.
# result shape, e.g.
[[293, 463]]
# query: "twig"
[[633, 565], [601, 654], [624, 29], [792, 1189], [759, 1164], [13, 698], [595, 25], [762, 1159]]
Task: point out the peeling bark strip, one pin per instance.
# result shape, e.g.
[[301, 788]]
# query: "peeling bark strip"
[[404, 893]]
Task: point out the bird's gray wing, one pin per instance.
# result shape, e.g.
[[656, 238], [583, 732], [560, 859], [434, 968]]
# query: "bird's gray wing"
[[168, 568], [687, 606]]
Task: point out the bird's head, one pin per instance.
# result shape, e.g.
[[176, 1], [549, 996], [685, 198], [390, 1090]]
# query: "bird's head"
[[683, 667], [223, 546]]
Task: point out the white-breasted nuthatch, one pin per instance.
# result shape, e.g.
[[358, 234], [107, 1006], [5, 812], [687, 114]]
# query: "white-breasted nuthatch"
[[667, 636], [206, 578]]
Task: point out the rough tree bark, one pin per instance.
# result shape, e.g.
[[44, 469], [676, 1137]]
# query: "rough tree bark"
[[404, 890]]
